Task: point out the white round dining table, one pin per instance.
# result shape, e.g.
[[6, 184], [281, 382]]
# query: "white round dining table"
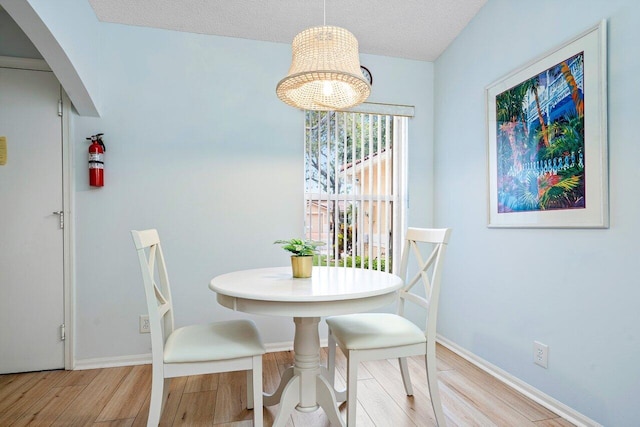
[[329, 291]]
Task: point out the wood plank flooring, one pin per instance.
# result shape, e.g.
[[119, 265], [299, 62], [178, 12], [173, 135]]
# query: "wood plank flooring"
[[119, 397]]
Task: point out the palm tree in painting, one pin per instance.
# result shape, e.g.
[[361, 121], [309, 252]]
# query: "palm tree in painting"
[[512, 124], [510, 106], [533, 84], [576, 95], [566, 188]]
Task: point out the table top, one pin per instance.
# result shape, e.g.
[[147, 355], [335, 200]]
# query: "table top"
[[330, 290], [325, 284]]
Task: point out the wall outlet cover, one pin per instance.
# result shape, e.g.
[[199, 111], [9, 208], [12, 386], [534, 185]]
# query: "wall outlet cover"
[[540, 354], [144, 324]]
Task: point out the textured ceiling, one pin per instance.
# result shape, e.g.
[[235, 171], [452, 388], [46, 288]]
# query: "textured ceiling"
[[412, 29]]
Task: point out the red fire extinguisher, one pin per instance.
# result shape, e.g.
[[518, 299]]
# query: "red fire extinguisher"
[[96, 160]]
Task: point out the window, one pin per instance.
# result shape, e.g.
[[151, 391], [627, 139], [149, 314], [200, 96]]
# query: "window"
[[354, 187]]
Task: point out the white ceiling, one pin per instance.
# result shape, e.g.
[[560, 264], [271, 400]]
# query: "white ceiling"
[[411, 29]]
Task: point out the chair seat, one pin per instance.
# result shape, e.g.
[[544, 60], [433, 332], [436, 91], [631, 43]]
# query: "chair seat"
[[213, 341], [365, 331]]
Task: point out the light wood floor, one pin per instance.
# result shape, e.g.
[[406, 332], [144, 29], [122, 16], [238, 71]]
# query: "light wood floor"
[[119, 397]]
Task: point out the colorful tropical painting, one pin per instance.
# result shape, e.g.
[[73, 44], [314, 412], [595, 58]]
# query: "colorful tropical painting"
[[540, 141]]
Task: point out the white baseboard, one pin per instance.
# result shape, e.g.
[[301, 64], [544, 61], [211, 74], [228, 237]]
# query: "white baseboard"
[[287, 345], [534, 394], [112, 362], [273, 347]]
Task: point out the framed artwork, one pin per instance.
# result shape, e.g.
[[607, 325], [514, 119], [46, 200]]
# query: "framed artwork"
[[547, 139]]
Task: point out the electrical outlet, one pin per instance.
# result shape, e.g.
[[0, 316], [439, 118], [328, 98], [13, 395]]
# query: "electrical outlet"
[[540, 354], [144, 324]]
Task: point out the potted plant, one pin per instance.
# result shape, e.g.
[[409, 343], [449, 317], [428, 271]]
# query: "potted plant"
[[302, 258]]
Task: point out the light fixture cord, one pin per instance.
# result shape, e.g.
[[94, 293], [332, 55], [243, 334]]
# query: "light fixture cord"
[[324, 12]]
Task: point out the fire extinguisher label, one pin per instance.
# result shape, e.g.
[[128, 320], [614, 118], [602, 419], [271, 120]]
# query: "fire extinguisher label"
[[96, 161]]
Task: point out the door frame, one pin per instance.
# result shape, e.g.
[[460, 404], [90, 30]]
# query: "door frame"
[[68, 190]]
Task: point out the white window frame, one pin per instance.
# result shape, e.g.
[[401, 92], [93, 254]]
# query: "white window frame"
[[399, 200]]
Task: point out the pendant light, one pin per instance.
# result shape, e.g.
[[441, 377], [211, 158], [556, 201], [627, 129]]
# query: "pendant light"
[[325, 71]]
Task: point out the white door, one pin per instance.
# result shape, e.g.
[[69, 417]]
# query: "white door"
[[31, 240]]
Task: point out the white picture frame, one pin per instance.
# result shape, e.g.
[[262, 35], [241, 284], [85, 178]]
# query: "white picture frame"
[[551, 175]]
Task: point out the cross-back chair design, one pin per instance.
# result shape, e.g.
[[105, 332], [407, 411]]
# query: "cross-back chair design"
[[196, 349], [374, 336]]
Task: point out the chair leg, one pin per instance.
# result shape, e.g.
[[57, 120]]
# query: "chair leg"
[[165, 393], [256, 390], [331, 362], [158, 393], [352, 389], [250, 389], [432, 380], [406, 378]]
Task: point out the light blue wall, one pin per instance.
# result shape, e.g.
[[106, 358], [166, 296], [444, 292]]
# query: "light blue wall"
[[575, 290], [199, 146], [14, 42]]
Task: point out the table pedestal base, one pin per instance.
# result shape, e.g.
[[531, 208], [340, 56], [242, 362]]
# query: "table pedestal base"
[[305, 387]]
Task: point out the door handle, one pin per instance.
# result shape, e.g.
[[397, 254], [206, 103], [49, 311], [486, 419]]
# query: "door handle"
[[61, 215]]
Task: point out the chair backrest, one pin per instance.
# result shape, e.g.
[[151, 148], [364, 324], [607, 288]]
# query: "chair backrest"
[[428, 272], [156, 289]]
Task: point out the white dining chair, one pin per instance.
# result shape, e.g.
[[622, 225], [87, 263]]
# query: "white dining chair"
[[197, 349], [374, 336]]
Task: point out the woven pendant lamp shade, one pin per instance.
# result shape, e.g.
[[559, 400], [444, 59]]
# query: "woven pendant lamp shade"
[[325, 71]]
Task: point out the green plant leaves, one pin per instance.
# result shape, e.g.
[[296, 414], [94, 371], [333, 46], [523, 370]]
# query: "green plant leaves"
[[300, 247]]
